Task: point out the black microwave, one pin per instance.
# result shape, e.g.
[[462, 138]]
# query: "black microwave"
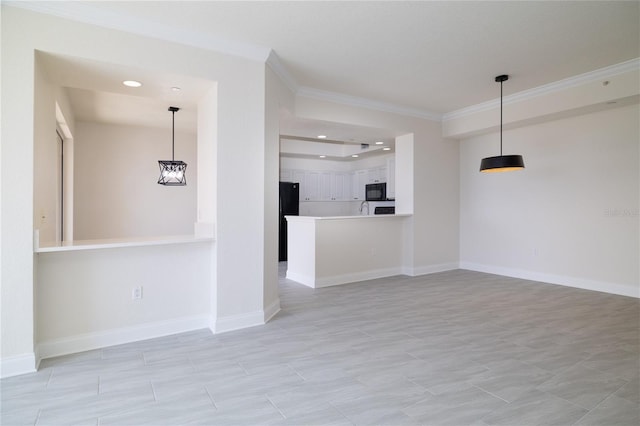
[[375, 191]]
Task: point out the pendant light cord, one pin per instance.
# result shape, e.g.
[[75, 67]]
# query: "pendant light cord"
[[501, 118], [173, 132]]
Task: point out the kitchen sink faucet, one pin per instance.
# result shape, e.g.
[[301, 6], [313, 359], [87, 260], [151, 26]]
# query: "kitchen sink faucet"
[[364, 204]]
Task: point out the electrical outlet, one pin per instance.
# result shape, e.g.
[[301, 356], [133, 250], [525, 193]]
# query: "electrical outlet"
[[136, 293]]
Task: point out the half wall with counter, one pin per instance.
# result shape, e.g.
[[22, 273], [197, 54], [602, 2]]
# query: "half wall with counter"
[[326, 251]]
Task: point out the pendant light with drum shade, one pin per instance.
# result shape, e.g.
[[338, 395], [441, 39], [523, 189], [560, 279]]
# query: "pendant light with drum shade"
[[172, 172], [501, 163]]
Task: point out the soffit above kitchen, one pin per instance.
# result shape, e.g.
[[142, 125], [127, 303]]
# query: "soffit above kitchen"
[[306, 138]]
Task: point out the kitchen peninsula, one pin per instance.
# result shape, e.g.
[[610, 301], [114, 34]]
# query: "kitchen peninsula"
[[326, 251]]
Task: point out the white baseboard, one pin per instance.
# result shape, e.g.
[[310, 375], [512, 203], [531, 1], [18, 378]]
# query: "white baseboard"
[[237, 322], [271, 310], [307, 280], [16, 365], [430, 269], [602, 286], [118, 336], [355, 277]]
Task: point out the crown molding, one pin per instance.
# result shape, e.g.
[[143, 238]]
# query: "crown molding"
[[90, 14], [324, 95], [273, 61], [599, 74]]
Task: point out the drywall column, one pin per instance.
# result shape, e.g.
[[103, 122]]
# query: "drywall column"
[[207, 180], [16, 201], [240, 191], [404, 196], [271, 296]]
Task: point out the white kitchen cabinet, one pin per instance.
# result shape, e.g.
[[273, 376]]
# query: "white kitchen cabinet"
[[341, 186], [313, 186], [360, 179], [326, 186], [377, 175]]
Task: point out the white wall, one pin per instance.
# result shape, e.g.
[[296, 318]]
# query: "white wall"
[[571, 216], [46, 212], [84, 297], [239, 163], [115, 185]]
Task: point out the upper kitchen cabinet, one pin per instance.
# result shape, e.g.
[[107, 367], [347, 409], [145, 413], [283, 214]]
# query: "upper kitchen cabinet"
[[377, 175], [360, 179]]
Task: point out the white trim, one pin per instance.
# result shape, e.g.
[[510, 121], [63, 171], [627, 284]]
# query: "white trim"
[[271, 310], [556, 86], [567, 281], [273, 61], [307, 280], [237, 322], [16, 365], [321, 282], [339, 98], [91, 14], [430, 269], [118, 336]]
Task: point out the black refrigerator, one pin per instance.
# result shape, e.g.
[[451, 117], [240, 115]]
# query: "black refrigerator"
[[289, 206]]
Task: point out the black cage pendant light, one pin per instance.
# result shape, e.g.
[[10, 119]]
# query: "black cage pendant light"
[[501, 163], [172, 173]]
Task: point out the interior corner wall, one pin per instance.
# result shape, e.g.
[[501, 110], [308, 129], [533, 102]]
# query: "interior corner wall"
[[571, 217], [115, 183], [275, 95], [46, 212], [17, 160]]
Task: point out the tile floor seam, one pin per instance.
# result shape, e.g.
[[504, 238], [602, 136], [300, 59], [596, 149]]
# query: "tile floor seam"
[[37, 417], [210, 397], [575, 404], [490, 393], [153, 392], [600, 371], [341, 413], [275, 406]]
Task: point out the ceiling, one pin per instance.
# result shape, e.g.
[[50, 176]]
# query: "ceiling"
[[435, 57]]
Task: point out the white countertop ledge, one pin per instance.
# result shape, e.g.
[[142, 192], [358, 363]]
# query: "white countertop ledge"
[[365, 217], [121, 242]]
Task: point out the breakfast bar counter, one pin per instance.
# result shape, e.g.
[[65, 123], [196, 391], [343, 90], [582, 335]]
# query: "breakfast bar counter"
[[326, 251]]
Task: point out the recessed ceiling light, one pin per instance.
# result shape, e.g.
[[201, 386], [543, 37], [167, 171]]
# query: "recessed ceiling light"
[[175, 89], [386, 148], [132, 83], [379, 143], [322, 136], [355, 155], [323, 156]]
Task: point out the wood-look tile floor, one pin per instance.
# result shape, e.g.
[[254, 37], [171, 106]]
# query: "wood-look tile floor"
[[454, 348]]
